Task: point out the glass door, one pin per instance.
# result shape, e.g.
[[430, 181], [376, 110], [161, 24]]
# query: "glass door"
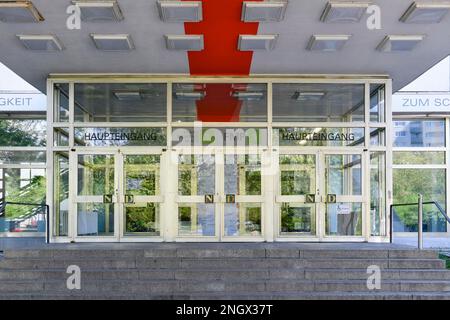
[[96, 200], [343, 194], [242, 196], [140, 195], [298, 195], [197, 196]]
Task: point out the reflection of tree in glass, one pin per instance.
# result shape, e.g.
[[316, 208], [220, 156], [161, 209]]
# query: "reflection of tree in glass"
[[22, 133], [408, 183]]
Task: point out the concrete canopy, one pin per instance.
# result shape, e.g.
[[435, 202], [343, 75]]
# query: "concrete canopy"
[[302, 20]]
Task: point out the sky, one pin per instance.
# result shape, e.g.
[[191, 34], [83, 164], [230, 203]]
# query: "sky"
[[435, 79]]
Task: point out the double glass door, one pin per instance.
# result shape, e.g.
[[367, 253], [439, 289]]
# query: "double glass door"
[[118, 195], [320, 195], [137, 195], [220, 196]]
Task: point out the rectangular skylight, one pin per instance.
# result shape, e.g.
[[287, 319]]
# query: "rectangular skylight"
[[266, 11], [99, 10], [47, 43], [257, 42], [310, 96], [344, 11], [327, 43], [180, 11], [401, 43], [426, 12], [184, 42], [19, 11], [113, 42]]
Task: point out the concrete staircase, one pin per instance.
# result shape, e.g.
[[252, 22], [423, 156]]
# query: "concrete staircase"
[[190, 272]]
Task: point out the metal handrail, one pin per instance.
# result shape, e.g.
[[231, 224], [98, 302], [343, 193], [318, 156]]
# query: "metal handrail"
[[419, 205], [3, 205]]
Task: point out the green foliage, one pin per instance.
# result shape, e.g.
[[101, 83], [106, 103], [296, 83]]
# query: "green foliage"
[[34, 192], [22, 133], [408, 183], [140, 219]]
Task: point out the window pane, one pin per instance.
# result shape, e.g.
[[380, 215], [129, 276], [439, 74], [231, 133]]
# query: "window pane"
[[120, 102], [344, 219], [243, 175], [242, 219], [408, 183], [61, 137], [142, 220], [298, 219], [318, 102], [419, 157], [196, 219], [219, 102], [61, 103], [95, 219], [23, 133], [95, 175], [419, 133], [61, 194], [377, 106], [378, 193], [23, 157], [26, 186], [343, 174], [377, 137]]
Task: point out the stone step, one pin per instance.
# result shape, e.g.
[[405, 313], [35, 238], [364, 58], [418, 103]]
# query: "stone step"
[[234, 263], [225, 274], [239, 296], [220, 253], [231, 287]]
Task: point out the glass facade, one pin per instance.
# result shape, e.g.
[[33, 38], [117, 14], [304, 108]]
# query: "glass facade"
[[420, 167], [218, 160]]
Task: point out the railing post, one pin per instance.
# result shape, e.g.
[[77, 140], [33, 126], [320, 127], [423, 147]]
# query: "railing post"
[[420, 222]]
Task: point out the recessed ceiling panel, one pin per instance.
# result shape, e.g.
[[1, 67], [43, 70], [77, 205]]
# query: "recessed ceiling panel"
[[19, 11], [180, 11], [399, 43], [46, 43], [184, 42], [327, 43], [344, 11], [266, 11], [99, 10], [426, 12], [113, 42], [257, 42]]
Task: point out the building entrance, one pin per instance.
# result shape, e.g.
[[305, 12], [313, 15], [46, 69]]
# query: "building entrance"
[[160, 159]]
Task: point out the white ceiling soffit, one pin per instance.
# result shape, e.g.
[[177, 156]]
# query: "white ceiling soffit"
[[19, 12], [180, 11], [184, 42], [266, 11], [257, 42], [99, 10], [290, 56], [426, 12], [344, 11]]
